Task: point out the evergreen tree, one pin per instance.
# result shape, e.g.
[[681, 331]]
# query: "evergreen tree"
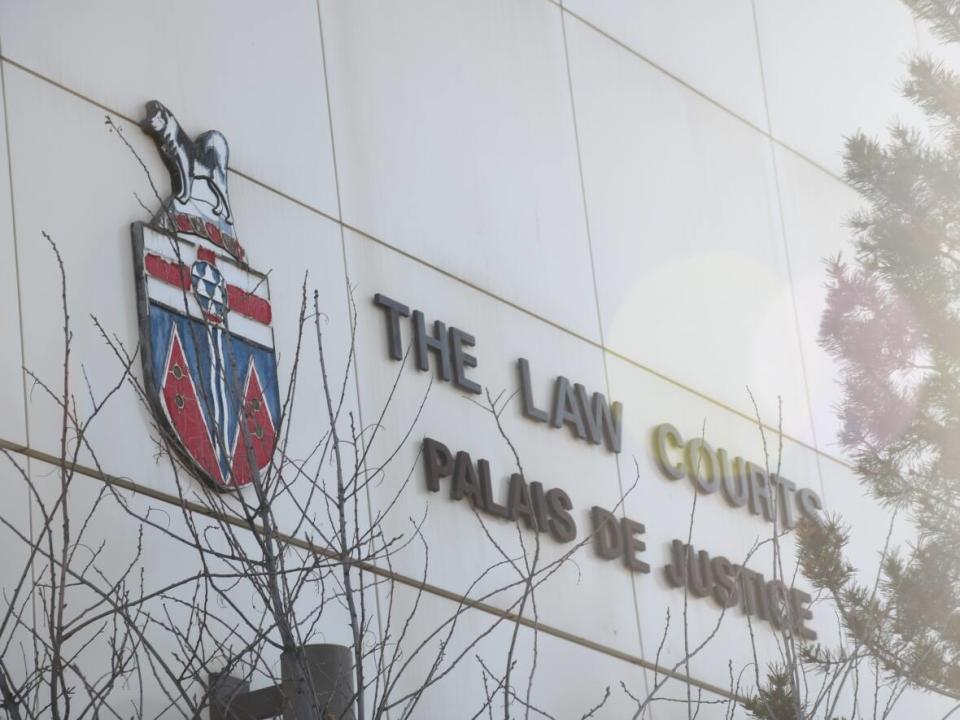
[[774, 698], [893, 322]]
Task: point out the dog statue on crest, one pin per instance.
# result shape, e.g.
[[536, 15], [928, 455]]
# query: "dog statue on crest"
[[203, 159]]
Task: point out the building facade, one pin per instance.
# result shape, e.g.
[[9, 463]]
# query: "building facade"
[[626, 200]]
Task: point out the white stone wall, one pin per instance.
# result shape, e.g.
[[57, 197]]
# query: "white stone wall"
[[635, 195]]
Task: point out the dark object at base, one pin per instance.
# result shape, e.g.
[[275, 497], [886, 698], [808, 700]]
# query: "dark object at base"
[[330, 676]]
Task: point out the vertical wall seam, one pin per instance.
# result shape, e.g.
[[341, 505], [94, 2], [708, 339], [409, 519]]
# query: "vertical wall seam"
[[786, 247], [583, 189], [16, 266], [596, 299], [349, 292], [16, 249]]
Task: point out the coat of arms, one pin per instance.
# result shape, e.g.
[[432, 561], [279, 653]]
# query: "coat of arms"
[[205, 317]]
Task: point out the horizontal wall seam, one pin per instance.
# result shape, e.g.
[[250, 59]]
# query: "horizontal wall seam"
[[756, 128], [467, 283], [193, 507], [717, 104]]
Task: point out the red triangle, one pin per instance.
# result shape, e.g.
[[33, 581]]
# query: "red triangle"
[[262, 433], [183, 409]]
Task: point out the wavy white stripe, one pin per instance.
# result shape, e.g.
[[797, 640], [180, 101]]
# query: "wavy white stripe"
[[159, 244]]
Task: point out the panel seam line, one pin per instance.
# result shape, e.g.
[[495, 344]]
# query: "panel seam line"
[[7, 446], [596, 298]]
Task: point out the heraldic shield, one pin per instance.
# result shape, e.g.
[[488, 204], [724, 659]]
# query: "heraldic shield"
[[205, 317]]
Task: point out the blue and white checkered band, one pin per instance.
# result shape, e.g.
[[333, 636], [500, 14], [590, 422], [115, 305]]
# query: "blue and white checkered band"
[[210, 289]]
